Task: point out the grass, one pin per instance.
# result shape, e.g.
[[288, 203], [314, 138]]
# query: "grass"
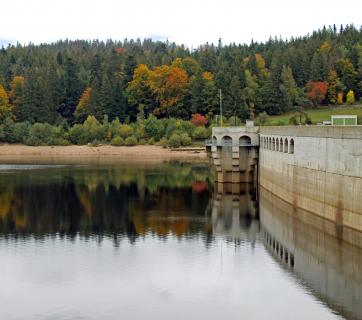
[[317, 115]]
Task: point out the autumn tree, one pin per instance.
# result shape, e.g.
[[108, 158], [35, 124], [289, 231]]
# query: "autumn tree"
[[316, 91], [17, 97], [82, 110], [335, 87], [5, 109]]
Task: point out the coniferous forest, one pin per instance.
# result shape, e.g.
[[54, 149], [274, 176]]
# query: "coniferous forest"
[[60, 86]]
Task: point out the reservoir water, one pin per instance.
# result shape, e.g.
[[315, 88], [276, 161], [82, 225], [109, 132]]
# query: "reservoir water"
[[160, 241]]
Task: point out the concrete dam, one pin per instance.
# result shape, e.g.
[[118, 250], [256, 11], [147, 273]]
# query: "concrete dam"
[[317, 169]]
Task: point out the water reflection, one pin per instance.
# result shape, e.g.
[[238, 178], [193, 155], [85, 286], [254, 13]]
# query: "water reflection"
[[312, 249], [132, 201], [165, 238]]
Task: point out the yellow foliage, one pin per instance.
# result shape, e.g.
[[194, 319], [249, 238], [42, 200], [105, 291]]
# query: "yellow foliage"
[[340, 98], [208, 76], [4, 98], [84, 101], [325, 47]]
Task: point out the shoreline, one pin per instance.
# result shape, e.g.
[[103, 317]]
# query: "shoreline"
[[103, 153]]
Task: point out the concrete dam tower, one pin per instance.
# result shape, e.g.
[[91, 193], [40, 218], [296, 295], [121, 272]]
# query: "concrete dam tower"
[[233, 154]]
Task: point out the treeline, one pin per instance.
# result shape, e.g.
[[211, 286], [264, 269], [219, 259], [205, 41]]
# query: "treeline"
[[65, 82]]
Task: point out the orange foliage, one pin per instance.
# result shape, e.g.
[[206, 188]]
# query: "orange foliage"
[[120, 50], [198, 120], [316, 91]]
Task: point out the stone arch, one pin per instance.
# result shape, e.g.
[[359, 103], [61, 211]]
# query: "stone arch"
[[227, 141], [277, 144], [273, 144], [244, 140], [285, 147], [214, 140], [291, 146], [270, 143]]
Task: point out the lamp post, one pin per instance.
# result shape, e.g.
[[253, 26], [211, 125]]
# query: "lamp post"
[[220, 107]]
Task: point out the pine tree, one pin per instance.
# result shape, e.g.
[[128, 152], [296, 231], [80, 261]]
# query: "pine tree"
[[288, 88]]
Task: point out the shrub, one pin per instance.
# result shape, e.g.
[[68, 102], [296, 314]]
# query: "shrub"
[[41, 133], [60, 142], [154, 128], [262, 118], [151, 141], [163, 142], [125, 131], [78, 134], [117, 141], [142, 142], [33, 141], [174, 141], [198, 120], [21, 131], [200, 133], [130, 141], [185, 139], [93, 128]]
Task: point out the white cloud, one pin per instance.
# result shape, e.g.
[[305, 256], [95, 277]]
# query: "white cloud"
[[191, 22]]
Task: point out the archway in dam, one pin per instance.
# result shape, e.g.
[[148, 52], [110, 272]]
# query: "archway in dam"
[[245, 141], [227, 141]]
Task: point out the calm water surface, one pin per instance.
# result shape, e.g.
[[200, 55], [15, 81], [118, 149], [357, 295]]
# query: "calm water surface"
[[162, 242]]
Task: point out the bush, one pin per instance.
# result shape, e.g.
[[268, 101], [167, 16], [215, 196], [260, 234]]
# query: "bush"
[[201, 133], [142, 142], [33, 141], [125, 131], [117, 141], [151, 141], [21, 131], [130, 141], [41, 133], [78, 134], [93, 129], [185, 139], [262, 118], [163, 142], [174, 141], [60, 142], [154, 128]]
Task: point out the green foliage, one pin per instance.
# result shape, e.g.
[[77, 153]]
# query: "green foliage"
[[154, 128], [201, 133], [174, 141], [117, 141], [163, 142], [130, 141], [261, 119]]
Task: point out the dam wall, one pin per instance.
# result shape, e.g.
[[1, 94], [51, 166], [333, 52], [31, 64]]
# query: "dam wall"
[[311, 248], [315, 168]]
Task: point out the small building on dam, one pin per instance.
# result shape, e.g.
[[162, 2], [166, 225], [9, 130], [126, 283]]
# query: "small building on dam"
[[314, 168]]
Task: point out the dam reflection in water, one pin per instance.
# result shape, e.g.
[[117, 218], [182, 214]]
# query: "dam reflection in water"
[[161, 241]]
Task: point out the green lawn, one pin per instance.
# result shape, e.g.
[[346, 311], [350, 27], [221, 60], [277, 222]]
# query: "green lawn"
[[318, 115]]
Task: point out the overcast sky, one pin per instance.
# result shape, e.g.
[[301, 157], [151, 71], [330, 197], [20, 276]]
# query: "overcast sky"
[[191, 22]]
